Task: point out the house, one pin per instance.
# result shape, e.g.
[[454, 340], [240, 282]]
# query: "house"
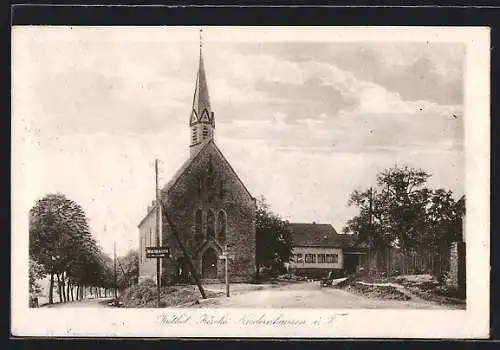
[[208, 205], [319, 249]]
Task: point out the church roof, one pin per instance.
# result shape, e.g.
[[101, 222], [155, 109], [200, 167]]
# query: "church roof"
[[318, 235], [169, 185], [190, 161]]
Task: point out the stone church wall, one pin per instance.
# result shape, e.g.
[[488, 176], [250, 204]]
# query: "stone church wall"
[[196, 189]]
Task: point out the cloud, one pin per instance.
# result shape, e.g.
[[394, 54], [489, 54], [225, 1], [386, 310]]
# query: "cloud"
[[418, 71], [87, 87], [334, 111], [301, 123]]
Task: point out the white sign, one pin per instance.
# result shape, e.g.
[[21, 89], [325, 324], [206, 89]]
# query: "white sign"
[[223, 256]]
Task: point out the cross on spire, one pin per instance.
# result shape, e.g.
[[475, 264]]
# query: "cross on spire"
[[201, 39]]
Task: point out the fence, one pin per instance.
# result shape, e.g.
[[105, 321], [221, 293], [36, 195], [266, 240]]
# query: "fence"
[[428, 260]]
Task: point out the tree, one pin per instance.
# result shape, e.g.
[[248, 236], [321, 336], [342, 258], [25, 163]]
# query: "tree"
[[61, 241], [36, 272], [129, 267], [403, 213], [273, 240]]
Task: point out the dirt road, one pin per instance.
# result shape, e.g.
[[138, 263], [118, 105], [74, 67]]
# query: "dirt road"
[[95, 303], [309, 295]]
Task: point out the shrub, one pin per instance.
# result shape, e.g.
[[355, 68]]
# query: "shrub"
[[140, 294]]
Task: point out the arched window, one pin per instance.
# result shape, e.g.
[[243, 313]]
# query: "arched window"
[[205, 132], [198, 222], [210, 224], [221, 189], [210, 164], [221, 224], [200, 186]]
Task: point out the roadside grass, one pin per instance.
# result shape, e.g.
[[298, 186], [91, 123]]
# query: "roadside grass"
[[144, 295]]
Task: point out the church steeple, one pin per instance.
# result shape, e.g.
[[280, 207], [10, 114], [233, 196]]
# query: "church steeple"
[[201, 121]]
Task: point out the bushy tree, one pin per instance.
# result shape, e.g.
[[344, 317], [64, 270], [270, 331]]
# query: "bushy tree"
[[402, 212], [273, 240], [129, 268]]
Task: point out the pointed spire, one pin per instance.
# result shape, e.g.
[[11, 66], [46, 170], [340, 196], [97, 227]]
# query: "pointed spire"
[[202, 111]]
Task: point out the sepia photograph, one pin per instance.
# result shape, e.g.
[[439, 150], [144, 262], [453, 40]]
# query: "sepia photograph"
[[265, 173]]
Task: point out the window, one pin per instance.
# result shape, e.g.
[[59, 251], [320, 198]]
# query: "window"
[[321, 258], [210, 224], [198, 222], [211, 189], [221, 189], [309, 258], [143, 248], [200, 186], [205, 131], [210, 164], [221, 223], [332, 258], [298, 258]]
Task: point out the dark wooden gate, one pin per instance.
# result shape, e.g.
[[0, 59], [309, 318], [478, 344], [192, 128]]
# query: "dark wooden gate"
[[209, 264]]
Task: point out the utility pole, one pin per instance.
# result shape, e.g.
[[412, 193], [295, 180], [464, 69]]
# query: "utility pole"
[[114, 267], [158, 208]]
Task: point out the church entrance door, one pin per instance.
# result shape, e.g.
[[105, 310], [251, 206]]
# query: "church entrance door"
[[209, 264]]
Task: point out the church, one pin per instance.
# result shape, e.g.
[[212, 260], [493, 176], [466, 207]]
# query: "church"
[[208, 205]]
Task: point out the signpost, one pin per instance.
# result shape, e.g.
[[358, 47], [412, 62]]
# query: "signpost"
[[225, 256], [157, 252]]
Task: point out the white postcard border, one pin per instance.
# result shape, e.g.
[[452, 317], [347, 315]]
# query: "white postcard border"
[[470, 323]]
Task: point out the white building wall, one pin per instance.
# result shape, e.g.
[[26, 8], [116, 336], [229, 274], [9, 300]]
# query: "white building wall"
[[315, 251], [147, 238]]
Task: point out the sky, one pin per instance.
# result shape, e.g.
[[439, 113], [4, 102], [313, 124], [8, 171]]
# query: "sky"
[[303, 122]]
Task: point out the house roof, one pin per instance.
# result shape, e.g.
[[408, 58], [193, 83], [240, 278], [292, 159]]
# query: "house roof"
[[318, 235], [151, 210]]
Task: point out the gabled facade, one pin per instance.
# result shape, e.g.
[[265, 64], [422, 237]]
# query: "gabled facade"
[[208, 205]]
